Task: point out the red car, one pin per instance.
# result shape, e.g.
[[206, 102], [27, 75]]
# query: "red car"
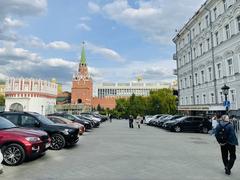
[[17, 144]]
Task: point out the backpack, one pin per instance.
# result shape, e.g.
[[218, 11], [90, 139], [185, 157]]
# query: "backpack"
[[222, 135]]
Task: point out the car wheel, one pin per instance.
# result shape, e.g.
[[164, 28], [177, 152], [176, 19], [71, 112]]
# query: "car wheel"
[[13, 154], [205, 130], [58, 142], [177, 129]]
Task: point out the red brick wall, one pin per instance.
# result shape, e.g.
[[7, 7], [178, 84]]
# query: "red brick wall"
[[104, 102]]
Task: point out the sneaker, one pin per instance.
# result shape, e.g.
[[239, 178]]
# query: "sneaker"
[[227, 171]]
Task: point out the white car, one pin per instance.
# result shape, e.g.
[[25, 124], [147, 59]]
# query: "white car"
[[1, 159]]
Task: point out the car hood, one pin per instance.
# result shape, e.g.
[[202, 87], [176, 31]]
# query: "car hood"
[[25, 132]]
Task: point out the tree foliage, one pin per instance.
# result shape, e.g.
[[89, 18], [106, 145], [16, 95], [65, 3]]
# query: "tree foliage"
[[158, 102], [2, 100]]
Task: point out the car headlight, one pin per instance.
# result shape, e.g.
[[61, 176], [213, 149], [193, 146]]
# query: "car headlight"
[[86, 122], [33, 139], [66, 131]]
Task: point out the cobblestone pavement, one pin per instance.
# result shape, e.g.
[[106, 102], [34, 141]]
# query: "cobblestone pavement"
[[114, 151]]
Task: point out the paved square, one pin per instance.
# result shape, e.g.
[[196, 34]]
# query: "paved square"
[[114, 151]]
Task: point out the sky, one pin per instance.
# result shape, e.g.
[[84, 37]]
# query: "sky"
[[123, 39]]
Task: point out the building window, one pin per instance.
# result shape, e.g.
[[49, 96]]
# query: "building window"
[[204, 99], [227, 31], [202, 76], [190, 81], [230, 67], [238, 23], [181, 84], [225, 5], [184, 59], [210, 74], [196, 79], [198, 100], [200, 27], [191, 99], [216, 38], [185, 82], [188, 36], [215, 13], [194, 53], [201, 49], [180, 62], [189, 56], [232, 92], [208, 44], [193, 32], [186, 101], [207, 20], [219, 70], [212, 98], [221, 96]]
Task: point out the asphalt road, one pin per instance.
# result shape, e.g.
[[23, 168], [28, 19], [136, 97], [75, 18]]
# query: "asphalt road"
[[114, 151]]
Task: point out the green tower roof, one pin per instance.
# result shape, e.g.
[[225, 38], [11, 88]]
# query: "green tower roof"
[[83, 56]]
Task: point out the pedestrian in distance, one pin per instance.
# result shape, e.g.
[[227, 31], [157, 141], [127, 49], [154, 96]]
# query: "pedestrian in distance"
[[138, 121], [110, 118], [227, 139], [215, 119], [130, 121]]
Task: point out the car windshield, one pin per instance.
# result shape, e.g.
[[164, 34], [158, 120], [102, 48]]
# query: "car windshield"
[[44, 120], [5, 124]]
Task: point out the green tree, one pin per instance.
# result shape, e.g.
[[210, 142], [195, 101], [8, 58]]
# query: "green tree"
[[2, 100]]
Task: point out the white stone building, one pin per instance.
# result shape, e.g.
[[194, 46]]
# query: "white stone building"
[[127, 89], [208, 56], [33, 95]]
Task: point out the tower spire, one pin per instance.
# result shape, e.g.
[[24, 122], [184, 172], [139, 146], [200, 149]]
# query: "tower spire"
[[83, 55]]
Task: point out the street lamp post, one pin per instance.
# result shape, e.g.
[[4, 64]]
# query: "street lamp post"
[[225, 90]]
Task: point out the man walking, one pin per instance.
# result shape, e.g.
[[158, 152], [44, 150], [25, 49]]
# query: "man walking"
[[130, 121], [228, 141]]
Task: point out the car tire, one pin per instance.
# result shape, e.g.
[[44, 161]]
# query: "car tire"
[[17, 153], [205, 130], [57, 142], [177, 129]]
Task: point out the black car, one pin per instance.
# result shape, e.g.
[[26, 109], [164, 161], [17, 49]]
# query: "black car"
[[167, 118], [189, 123], [61, 135], [87, 124], [94, 123]]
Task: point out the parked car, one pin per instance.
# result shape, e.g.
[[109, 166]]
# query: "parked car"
[[17, 144], [167, 118], [1, 160], [91, 116], [62, 120], [94, 122], [74, 118], [151, 120], [189, 123], [61, 134]]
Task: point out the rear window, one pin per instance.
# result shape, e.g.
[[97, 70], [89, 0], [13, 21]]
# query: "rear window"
[[13, 118]]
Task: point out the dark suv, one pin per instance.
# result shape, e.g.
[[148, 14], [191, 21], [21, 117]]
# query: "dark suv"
[[17, 144], [61, 135], [189, 123]]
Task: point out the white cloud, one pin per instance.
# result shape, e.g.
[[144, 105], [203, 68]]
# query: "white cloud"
[[105, 52], [93, 7], [84, 27], [22, 7], [85, 18], [12, 23], [156, 20], [59, 45]]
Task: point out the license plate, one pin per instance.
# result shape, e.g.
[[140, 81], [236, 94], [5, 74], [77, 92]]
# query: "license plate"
[[47, 145]]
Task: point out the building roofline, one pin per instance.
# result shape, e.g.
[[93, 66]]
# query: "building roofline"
[[191, 20]]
